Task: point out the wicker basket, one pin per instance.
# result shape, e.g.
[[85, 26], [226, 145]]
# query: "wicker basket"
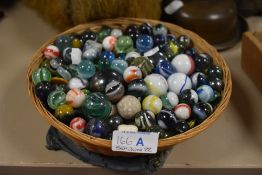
[[104, 146]]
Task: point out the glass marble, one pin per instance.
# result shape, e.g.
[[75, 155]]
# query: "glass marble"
[[156, 84], [137, 88], [124, 44], [179, 82], [86, 69], [77, 83], [192, 52], [152, 103], [203, 62], [184, 42], [114, 91], [72, 55], [64, 113], [103, 32], [119, 66], [55, 63], [96, 105], [109, 43], [182, 111], [116, 33], [170, 50], [132, 73], [146, 29], [169, 100], [216, 84], [64, 72], [157, 57], [90, 54], [43, 89], [75, 98], [171, 37], [110, 56], [184, 64], [88, 35], [103, 64], [181, 127], [164, 68], [144, 64], [132, 31], [159, 40], [114, 121], [41, 74], [97, 128], [99, 81], [166, 119], [51, 51], [214, 72], [160, 29], [201, 111], [144, 43], [205, 93], [198, 79], [130, 128], [92, 44], [77, 43], [86, 91], [131, 55], [188, 96], [216, 99], [157, 129], [144, 120], [56, 98], [62, 42], [78, 124], [128, 106]]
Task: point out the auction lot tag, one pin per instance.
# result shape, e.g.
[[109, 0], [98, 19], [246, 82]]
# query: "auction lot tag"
[[137, 142]]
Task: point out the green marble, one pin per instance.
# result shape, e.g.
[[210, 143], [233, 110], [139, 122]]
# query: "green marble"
[[124, 44], [103, 64], [103, 32], [41, 74], [86, 91], [56, 98], [96, 105], [143, 64], [165, 102]]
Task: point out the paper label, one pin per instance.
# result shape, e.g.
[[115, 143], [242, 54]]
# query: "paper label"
[[136, 142], [173, 7]]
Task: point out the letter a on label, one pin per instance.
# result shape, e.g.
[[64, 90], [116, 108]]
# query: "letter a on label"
[[140, 142]]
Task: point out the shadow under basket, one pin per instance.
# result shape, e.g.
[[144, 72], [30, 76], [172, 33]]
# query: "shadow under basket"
[[103, 146]]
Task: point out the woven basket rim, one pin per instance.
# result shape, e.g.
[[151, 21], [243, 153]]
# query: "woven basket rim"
[[200, 44]]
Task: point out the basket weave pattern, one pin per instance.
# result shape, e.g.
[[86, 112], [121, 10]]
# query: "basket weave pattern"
[[104, 146]]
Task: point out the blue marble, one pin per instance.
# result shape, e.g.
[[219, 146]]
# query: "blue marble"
[[97, 128], [110, 56], [164, 68], [144, 43]]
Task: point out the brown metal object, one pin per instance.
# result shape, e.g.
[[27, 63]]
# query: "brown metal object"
[[217, 21]]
